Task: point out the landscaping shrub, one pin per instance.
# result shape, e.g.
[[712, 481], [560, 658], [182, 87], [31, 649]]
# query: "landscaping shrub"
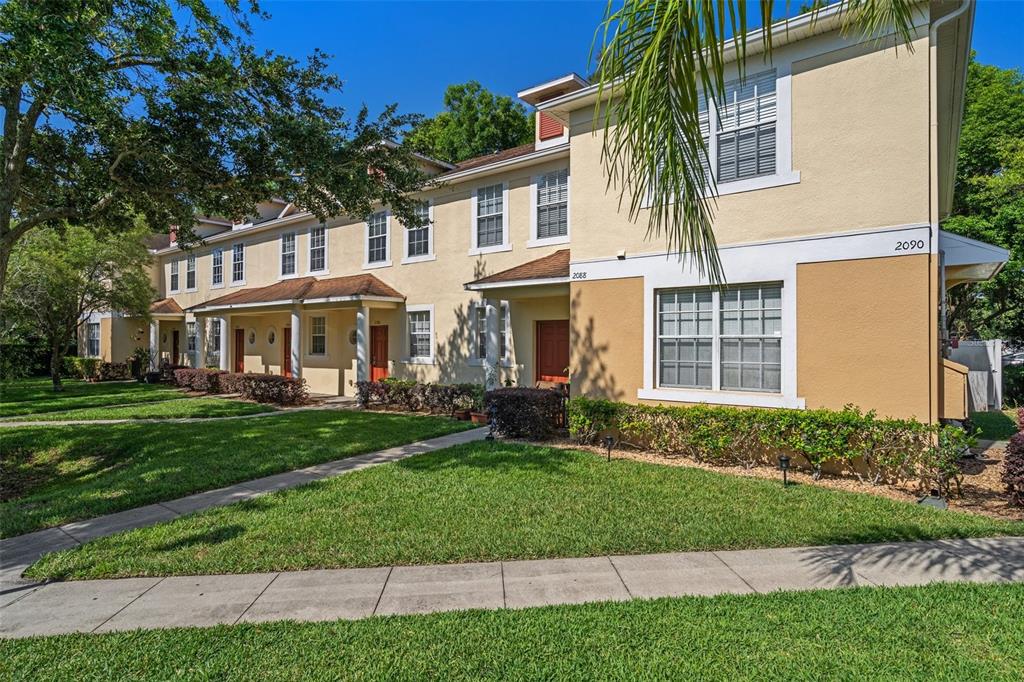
[[232, 382], [81, 368], [198, 379], [532, 413], [412, 396], [1013, 385], [1013, 468], [269, 388], [114, 371], [871, 448]]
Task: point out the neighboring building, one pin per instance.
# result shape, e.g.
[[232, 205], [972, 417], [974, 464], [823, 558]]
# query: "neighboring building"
[[834, 163]]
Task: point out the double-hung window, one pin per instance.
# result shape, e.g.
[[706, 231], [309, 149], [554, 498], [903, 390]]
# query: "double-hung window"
[[190, 272], [175, 280], [92, 339], [377, 238], [318, 249], [215, 335], [730, 339], [419, 323], [190, 336], [553, 205], [238, 263], [417, 237], [318, 336], [480, 337], [287, 254], [489, 230], [747, 128], [218, 267]]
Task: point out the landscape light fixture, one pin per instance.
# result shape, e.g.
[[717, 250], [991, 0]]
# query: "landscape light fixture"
[[784, 466], [609, 441]]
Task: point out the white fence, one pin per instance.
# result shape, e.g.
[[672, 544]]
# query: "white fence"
[[985, 372]]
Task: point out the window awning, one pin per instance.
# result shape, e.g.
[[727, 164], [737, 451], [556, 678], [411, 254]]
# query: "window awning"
[[969, 260]]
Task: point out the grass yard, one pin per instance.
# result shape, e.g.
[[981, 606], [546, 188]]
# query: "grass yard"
[[996, 425], [942, 631], [492, 501], [194, 408], [32, 396], [50, 475]]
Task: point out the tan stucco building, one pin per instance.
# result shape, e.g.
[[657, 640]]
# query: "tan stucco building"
[[834, 164]]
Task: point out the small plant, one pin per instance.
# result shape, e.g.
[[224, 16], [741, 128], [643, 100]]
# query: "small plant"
[[1013, 464]]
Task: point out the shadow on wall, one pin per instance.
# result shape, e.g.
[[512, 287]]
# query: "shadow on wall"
[[589, 371]]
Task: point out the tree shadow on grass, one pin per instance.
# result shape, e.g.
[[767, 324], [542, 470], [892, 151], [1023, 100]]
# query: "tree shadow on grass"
[[498, 457], [214, 536]]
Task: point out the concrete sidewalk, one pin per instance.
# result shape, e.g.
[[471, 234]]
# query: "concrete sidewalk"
[[18, 553], [133, 603]]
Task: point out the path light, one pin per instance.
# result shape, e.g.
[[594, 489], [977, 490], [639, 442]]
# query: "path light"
[[784, 465], [609, 441]]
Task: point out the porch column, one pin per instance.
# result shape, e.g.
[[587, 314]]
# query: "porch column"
[[296, 349], [492, 347], [154, 345], [362, 344], [225, 348]]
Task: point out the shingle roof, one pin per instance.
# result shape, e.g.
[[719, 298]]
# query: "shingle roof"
[[549, 267], [306, 288], [157, 242], [165, 306], [503, 155]]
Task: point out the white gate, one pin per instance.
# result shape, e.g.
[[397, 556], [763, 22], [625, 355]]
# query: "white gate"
[[985, 372]]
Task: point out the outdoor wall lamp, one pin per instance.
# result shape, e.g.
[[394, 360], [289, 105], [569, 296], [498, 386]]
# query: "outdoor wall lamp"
[[609, 441], [784, 466]]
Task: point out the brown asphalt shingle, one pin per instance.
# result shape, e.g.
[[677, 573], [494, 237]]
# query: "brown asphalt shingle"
[[555, 265], [165, 306], [503, 155], [305, 288]]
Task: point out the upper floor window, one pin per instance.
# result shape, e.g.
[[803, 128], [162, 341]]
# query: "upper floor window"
[[377, 239], [238, 263], [318, 249], [190, 271], [318, 336], [287, 254], [92, 339], [745, 129], [418, 238], [175, 280], [218, 267], [490, 217], [552, 205]]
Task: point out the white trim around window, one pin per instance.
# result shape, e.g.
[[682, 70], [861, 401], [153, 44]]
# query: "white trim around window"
[[291, 237], [430, 254], [536, 241], [317, 325], [386, 262], [504, 335], [191, 272], [506, 244], [309, 251], [408, 358], [214, 284], [241, 280], [174, 276]]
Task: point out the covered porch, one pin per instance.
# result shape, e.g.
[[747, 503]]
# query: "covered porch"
[[168, 341]]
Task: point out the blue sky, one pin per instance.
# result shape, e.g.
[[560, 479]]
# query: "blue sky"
[[408, 52]]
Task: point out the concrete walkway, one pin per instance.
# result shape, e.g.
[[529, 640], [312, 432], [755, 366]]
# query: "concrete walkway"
[[18, 553], [132, 603]]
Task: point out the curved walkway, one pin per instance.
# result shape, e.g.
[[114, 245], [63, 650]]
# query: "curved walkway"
[[133, 603]]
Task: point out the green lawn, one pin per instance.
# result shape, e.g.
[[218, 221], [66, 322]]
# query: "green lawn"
[[996, 425], [195, 408], [490, 501], [53, 474], [31, 396], [943, 631]]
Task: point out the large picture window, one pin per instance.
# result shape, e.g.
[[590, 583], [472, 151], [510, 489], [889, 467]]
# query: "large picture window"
[[730, 339]]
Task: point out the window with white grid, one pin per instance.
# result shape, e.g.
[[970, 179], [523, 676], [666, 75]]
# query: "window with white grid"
[[377, 238], [215, 335], [751, 338], [318, 336], [190, 336], [238, 263], [174, 275], [318, 249], [190, 271], [92, 338], [553, 204], [287, 254], [480, 323], [746, 128], [418, 237], [218, 267], [419, 334], [685, 338], [490, 216]]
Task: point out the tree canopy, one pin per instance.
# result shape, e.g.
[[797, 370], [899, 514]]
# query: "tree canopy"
[[475, 121], [115, 109], [989, 201]]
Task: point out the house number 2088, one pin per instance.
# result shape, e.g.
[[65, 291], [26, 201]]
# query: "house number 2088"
[[579, 275], [910, 245]]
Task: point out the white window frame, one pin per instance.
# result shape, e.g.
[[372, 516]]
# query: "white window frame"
[[429, 255], [536, 241], [214, 284], [191, 269], [406, 337], [294, 254], [240, 246], [474, 324], [309, 252], [309, 349], [386, 263], [89, 326], [506, 244], [174, 278], [191, 338], [214, 336]]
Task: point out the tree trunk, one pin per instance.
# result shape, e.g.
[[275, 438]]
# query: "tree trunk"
[[5, 258], [56, 365]]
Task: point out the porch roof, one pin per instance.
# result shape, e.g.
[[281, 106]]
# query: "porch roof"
[[551, 269], [165, 306], [970, 260], [306, 290]]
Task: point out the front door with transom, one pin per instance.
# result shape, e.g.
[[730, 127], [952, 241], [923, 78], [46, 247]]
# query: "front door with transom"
[[378, 352], [286, 348], [553, 350], [239, 350]]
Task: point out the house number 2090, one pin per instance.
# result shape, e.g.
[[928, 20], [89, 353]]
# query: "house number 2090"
[[910, 245]]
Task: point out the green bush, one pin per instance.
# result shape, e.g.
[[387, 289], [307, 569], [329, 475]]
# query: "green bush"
[[852, 441], [533, 413], [412, 396], [81, 368], [1013, 385]]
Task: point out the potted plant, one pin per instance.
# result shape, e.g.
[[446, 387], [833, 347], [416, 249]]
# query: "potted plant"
[[139, 362], [478, 417]]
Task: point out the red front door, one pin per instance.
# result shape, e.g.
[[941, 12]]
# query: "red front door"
[[174, 347], [553, 350], [378, 352], [286, 347], [239, 350]]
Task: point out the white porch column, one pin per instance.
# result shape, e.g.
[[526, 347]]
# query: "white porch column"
[[154, 345], [362, 344], [224, 347], [200, 358], [296, 349], [492, 348]]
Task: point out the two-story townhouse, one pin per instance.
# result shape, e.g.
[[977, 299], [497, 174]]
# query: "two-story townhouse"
[[834, 162]]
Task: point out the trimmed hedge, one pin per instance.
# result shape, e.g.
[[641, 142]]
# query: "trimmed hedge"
[[414, 397], [263, 388], [1013, 463], [114, 371], [96, 369], [863, 444], [533, 413], [199, 379]]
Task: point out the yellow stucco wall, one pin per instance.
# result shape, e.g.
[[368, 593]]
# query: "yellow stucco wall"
[[606, 338], [954, 390]]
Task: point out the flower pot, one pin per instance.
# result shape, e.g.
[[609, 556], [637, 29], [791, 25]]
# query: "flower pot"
[[461, 415], [478, 417]]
